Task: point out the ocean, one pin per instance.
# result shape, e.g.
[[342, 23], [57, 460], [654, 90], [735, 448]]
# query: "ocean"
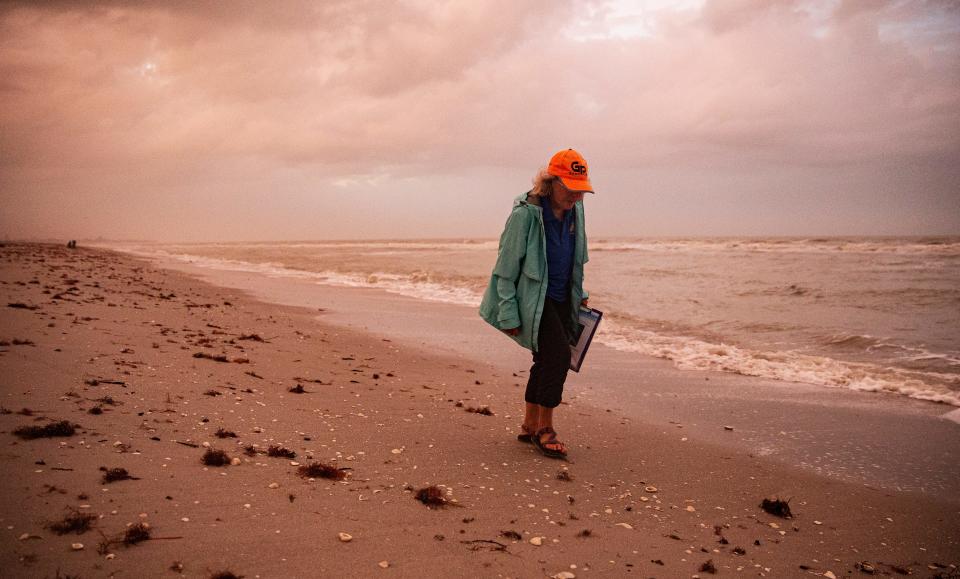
[[873, 314]]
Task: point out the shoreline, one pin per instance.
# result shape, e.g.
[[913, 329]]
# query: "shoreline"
[[833, 432], [376, 395]]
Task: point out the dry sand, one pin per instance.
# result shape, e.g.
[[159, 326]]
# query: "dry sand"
[[107, 331]]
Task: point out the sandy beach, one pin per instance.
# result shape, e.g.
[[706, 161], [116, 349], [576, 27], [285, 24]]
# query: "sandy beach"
[[148, 364]]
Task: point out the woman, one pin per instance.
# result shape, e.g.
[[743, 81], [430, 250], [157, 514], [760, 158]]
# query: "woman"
[[537, 287]]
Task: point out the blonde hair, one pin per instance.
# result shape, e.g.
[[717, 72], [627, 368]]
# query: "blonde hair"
[[543, 184]]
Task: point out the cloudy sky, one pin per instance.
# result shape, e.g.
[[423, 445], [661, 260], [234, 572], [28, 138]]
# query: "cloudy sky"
[[253, 120]]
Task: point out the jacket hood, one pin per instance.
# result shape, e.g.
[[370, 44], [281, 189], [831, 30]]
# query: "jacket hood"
[[527, 199]]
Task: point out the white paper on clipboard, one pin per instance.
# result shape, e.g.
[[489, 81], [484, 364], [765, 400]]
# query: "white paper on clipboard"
[[588, 321]]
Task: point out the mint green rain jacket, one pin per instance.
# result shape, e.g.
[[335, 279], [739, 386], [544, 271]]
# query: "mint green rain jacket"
[[518, 285]]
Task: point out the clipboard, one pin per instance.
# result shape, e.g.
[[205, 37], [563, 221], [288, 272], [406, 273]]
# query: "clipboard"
[[588, 320]]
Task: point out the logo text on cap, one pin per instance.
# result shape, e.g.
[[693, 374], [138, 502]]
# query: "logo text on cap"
[[577, 168]]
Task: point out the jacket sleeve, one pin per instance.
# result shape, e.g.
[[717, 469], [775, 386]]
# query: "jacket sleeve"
[[506, 272]]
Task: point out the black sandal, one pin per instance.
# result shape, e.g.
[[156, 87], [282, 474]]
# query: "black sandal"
[[552, 439], [526, 435]]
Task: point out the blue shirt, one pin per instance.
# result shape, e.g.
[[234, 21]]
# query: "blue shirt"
[[561, 237]]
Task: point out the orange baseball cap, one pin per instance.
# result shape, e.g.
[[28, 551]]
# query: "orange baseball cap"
[[571, 168]]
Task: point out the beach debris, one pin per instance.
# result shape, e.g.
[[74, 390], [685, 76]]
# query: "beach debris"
[[709, 567], [251, 337], [205, 356], [253, 374], [482, 410], [225, 575], [739, 551], [273, 485], [135, 533], [54, 429], [115, 474], [728, 428], [298, 389], [624, 525], [536, 541], [564, 475], [829, 575], [585, 533], [21, 306], [480, 544], [212, 392], [215, 458], [431, 496], [73, 522], [76, 546], [513, 535], [277, 451], [235, 461], [777, 507], [564, 575], [250, 450], [657, 561], [321, 470], [383, 564], [99, 381], [176, 567], [96, 410], [345, 537], [223, 433], [190, 444], [866, 567], [651, 489]]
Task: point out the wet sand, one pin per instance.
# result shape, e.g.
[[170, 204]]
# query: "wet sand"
[[90, 329]]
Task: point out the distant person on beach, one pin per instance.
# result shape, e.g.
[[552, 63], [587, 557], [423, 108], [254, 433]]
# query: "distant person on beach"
[[537, 287]]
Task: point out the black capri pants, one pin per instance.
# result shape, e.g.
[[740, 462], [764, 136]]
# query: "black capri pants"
[[551, 361]]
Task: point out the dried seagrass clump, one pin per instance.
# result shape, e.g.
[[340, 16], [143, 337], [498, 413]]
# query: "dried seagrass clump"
[[54, 429], [114, 474], [215, 458], [432, 496], [777, 507], [321, 470], [136, 534], [73, 522], [223, 433], [278, 451]]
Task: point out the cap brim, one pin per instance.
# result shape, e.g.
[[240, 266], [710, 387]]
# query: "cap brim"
[[577, 184]]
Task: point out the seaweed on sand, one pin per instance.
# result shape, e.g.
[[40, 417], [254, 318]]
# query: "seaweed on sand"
[[481, 410], [225, 575], [777, 507], [708, 567], [136, 533], [73, 522], [298, 389], [205, 356], [278, 451], [321, 470], [54, 429], [115, 474], [223, 433], [432, 496], [215, 458]]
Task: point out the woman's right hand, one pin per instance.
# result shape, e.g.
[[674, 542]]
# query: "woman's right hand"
[[512, 332]]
